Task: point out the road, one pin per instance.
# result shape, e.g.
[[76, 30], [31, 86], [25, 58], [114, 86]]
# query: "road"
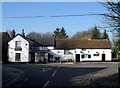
[[51, 76]]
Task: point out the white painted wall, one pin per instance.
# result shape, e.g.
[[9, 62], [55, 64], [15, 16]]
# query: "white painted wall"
[[91, 52], [107, 52], [24, 52], [60, 53], [50, 47], [57, 53]]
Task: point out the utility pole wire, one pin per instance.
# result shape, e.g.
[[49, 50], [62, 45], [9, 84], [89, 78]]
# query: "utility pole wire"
[[76, 15]]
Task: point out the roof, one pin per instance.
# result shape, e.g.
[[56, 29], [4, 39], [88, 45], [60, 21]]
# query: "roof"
[[4, 37], [33, 42], [83, 44], [46, 41], [40, 41], [2, 34]]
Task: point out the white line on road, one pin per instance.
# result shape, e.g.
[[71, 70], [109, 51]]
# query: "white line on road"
[[46, 84], [54, 73], [46, 69]]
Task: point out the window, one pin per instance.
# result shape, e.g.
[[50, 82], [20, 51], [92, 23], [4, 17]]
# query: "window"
[[51, 56], [17, 56], [85, 56], [66, 51], [89, 56], [18, 44], [82, 56], [96, 54]]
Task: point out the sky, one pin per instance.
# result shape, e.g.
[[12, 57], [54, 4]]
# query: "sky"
[[49, 24]]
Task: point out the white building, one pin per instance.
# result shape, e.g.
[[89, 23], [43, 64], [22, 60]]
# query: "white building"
[[83, 50], [22, 49]]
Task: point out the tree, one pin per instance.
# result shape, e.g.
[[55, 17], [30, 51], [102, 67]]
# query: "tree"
[[95, 33], [112, 19], [33, 35], [117, 47], [82, 35], [47, 35], [104, 35], [60, 33]]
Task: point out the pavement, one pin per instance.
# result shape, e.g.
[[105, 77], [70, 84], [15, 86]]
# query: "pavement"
[[11, 75], [107, 78]]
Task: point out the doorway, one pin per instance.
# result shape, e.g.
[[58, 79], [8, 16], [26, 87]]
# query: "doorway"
[[32, 57], [17, 57], [103, 57], [77, 57]]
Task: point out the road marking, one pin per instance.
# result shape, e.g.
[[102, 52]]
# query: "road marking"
[[12, 78], [46, 84], [54, 73], [46, 69]]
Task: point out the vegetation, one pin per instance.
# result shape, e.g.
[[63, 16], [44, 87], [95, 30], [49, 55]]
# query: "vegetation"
[[95, 33], [112, 19], [47, 35], [60, 33], [34, 35], [82, 35], [105, 35], [117, 48]]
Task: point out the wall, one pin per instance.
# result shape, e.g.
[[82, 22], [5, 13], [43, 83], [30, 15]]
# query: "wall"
[[91, 52], [50, 47], [24, 52], [86, 52], [57, 53]]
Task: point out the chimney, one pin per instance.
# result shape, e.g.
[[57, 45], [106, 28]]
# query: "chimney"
[[23, 34]]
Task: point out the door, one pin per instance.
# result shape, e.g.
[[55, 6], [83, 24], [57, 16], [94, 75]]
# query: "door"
[[17, 56], [77, 57], [103, 57], [33, 57]]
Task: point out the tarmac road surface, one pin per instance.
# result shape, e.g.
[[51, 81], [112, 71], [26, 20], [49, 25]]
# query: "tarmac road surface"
[[59, 75]]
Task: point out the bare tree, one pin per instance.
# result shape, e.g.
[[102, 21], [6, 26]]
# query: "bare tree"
[[82, 35], [33, 35], [112, 19], [47, 35], [92, 33]]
